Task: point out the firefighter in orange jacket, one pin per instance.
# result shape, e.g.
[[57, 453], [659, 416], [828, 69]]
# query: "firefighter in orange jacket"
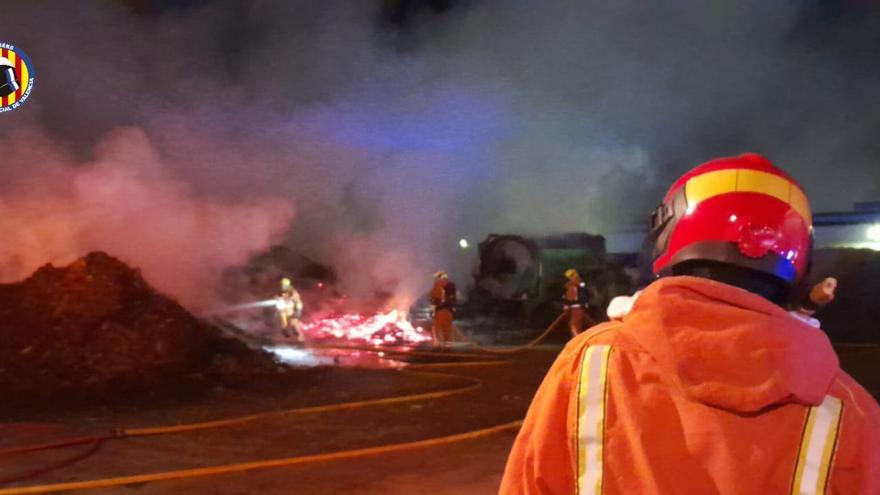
[[443, 299], [707, 385], [576, 302]]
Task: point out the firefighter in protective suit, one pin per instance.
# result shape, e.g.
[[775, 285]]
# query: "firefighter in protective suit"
[[576, 302], [290, 307], [707, 384], [443, 299], [8, 79]]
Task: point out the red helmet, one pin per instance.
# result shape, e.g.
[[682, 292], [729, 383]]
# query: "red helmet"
[[737, 210]]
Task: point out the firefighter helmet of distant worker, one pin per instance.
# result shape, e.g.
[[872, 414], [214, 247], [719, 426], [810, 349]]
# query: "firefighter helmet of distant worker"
[[440, 274], [571, 273], [286, 284], [741, 211]]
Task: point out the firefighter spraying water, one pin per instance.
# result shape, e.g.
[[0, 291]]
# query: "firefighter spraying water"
[[387, 326], [290, 307]]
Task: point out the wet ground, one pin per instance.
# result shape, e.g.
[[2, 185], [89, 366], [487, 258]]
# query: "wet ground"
[[503, 397], [468, 467]]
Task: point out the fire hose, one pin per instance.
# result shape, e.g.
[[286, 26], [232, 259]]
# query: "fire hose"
[[270, 463], [96, 441], [94, 446], [519, 348]]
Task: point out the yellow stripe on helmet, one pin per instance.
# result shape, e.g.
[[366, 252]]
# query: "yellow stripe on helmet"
[[711, 184]]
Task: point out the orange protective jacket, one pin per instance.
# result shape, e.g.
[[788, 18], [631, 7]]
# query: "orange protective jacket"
[[703, 388], [438, 290], [572, 295]]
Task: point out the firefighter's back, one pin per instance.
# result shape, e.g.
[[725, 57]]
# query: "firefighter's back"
[[703, 388]]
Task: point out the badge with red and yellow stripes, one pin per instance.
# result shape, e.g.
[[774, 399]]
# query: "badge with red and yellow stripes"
[[16, 77]]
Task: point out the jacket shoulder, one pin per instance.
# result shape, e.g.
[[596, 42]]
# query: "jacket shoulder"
[[608, 333], [855, 397], [857, 460]]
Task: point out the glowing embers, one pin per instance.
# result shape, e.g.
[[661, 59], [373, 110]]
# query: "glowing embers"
[[391, 328]]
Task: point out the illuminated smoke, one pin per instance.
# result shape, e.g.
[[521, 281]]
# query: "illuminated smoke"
[[125, 203], [395, 141]]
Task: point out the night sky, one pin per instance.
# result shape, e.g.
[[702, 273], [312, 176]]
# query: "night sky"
[[375, 134]]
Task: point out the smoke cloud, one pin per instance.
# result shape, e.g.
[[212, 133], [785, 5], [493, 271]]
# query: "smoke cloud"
[[124, 203], [398, 127]]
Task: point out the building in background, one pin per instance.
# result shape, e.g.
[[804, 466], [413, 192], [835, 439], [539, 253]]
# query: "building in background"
[[859, 229]]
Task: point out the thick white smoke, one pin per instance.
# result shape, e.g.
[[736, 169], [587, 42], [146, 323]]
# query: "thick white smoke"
[[125, 203], [396, 141]]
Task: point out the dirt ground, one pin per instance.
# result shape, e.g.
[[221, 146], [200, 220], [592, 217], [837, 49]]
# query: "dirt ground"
[[473, 466], [468, 467]]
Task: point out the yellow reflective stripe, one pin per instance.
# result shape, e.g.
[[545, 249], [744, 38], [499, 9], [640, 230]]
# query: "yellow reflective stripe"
[[800, 204], [817, 448], [705, 186], [764, 183], [591, 419]]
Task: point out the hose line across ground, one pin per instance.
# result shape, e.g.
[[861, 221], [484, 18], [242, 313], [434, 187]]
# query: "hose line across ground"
[[289, 461], [222, 423], [518, 348], [250, 466]]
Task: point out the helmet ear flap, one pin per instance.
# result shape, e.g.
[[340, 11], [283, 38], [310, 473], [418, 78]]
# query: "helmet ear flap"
[[660, 217], [663, 221]]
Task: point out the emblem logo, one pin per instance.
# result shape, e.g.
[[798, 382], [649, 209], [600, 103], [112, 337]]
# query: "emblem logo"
[[16, 77]]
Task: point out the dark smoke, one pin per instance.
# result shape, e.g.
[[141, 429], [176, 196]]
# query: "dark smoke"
[[396, 127]]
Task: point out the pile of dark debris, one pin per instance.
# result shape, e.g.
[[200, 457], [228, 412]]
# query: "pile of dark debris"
[[96, 329]]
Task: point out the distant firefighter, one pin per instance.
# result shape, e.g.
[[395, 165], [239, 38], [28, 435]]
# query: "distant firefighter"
[[290, 307], [443, 300], [576, 302]]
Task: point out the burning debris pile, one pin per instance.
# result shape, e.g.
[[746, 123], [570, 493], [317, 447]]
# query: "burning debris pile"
[[96, 326], [391, 328]]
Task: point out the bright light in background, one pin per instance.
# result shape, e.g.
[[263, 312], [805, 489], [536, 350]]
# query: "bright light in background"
[[874, 232], [463, 243]]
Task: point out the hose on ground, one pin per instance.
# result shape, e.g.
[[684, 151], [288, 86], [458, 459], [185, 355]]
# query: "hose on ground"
[[173, 429], [95, 447], [519, 348], [250, 466]]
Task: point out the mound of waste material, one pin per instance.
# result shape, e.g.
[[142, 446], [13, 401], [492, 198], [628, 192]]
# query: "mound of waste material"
[[854, 315], [97, 326]]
